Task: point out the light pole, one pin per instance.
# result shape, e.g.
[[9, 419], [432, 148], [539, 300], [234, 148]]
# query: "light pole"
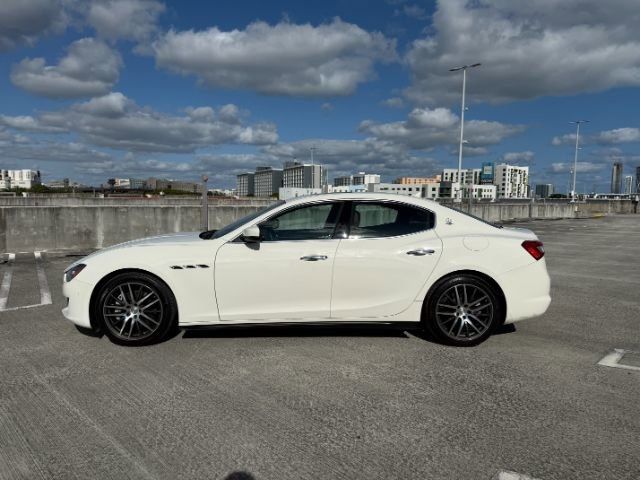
[[204, 210], [462, 109], [575, 158]]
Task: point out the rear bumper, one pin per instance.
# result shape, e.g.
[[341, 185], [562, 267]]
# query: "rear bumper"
[[527, 291], [78, 295]]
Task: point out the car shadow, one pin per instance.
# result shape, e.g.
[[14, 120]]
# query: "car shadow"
[[302, 330]]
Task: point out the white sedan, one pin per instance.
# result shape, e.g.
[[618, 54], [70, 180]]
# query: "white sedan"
[[336, 258]]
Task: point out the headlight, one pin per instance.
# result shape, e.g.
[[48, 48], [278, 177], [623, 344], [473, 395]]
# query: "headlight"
[[73, 272]]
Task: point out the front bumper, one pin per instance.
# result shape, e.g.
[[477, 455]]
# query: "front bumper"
[[527, 291], [78, 296]]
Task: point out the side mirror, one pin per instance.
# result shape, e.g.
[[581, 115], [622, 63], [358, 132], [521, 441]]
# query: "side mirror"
[[251, 234]]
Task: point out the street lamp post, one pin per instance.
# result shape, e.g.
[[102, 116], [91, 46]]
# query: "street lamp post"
[[204, 210], [464, 68], [575, 158]]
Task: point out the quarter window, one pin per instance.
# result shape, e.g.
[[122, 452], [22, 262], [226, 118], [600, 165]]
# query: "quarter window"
[[371, 220], [310, 222]]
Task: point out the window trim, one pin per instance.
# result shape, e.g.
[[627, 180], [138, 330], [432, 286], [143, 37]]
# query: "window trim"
[[342, 203], [393, 202]]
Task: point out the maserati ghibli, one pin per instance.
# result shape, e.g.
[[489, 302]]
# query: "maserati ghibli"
[[333, 258]]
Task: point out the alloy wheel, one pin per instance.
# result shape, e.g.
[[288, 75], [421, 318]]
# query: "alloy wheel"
[[132, 311], [464, 312]]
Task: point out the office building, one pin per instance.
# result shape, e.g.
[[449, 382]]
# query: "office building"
[[544, 190], [470, 175], [162, 184], [20, 179], [5, 180], [303, 175], [417, 180], [628, 184], [245, 185], [616, 177], [267, 181], [399, 189], [360, 178], [130, 183], [638, 179], [487, 173], [511, 181], [287, 193]]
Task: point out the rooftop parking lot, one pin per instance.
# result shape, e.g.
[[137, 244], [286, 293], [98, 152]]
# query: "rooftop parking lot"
[[311, 402]]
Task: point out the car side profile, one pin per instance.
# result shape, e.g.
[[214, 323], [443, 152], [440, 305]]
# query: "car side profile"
[[333, 258]]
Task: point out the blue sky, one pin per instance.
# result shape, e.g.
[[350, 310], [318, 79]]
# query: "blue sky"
[[95, 89]]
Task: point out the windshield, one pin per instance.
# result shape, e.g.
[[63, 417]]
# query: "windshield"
[[210, 234]]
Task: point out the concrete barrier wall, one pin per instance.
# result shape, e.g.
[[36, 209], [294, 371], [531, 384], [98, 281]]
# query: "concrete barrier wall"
[[27, 228], [81, 228]]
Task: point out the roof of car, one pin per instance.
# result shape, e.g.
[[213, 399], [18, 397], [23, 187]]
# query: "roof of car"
[[362, 196]]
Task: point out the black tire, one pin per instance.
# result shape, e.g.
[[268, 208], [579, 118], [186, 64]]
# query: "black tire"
[[135, 309], [463, 310]]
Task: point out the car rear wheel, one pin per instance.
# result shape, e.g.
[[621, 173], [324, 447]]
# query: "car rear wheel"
[[463, 310], [135, 309]]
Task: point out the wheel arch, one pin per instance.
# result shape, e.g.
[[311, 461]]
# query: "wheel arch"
[[474, 273], [96, 290]]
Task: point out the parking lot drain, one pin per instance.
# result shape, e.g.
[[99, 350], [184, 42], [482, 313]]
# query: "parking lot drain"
[[506, 475], [615, 359]]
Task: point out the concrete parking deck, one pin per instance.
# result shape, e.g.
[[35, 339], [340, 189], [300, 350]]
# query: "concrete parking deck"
[[303, 403]]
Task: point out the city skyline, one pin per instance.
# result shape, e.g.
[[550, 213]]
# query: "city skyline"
[[174, 90]]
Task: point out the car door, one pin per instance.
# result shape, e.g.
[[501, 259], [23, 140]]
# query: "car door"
[[388, 256], [287, 274]]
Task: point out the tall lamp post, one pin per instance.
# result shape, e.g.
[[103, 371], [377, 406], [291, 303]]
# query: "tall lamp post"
[[464, 68], [204, 208], [575, 158]]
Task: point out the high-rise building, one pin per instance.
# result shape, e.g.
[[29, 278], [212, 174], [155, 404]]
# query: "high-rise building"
[[417, 180], [24, 178], [487, 173], [267, 181], [303, 175], [360, 178], [470, 175], [544, 190], [628, 184], [5, 180], [512, 181], [616, 177], [638, 179], [245, 185]]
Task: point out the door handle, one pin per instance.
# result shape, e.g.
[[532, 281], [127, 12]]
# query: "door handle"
[[313, 258], [421, 252]]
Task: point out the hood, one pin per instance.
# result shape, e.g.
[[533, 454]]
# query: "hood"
[[184, 238]]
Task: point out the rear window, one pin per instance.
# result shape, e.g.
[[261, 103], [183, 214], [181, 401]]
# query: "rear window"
[[384, 219]]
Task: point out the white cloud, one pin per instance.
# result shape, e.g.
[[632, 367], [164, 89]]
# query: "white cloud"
[[566, 139], [284, 59], [117, 122], [428, 128], [89, 68], [23, 21], [343, 157], [527, 49], [125, 19], [28, 123], [527, 157], [618, 135], [393, 102], [582, 167]]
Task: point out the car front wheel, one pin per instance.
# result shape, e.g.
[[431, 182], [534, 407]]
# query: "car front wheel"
[[463, 310], [135, 309]]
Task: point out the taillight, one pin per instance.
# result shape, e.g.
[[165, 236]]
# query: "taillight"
[[534, 247]]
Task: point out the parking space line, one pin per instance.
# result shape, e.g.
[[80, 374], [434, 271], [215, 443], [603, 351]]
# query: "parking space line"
[[507, 475], [45, 293], [6, 282], [612, 360]]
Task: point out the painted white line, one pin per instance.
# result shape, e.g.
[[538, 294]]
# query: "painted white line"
[[45, 293], [6, 282], [507, 475], [22, 307], [612, 360]]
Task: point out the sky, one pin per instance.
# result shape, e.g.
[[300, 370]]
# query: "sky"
[[94, 89]]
